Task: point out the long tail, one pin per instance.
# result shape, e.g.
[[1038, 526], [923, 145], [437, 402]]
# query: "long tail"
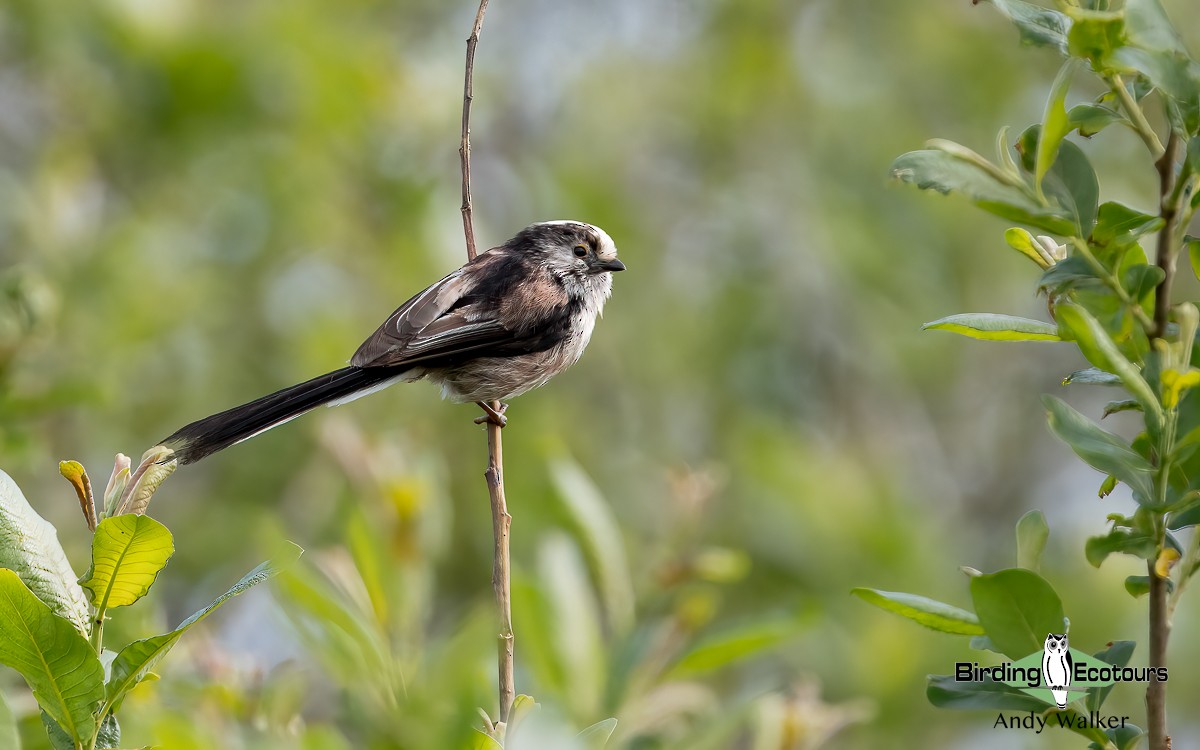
[[211, 434]]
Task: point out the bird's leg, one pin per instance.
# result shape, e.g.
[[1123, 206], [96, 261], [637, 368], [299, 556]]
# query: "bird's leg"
[[491, 415]]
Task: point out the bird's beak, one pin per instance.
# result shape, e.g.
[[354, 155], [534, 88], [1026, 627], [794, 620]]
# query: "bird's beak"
[[612, 265]]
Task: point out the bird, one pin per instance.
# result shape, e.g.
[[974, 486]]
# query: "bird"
[[504, 323]]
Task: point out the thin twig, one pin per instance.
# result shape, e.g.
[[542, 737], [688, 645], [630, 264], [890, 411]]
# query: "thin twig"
[[1137, 117], [464, 148], [501, 520]]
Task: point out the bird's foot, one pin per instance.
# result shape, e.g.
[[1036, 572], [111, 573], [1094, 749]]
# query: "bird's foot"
[[492, 416]]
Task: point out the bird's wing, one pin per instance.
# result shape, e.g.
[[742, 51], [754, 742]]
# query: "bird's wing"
[[444, 321]]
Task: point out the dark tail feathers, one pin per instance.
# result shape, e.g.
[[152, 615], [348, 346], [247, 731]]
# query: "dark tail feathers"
[[211, 434]]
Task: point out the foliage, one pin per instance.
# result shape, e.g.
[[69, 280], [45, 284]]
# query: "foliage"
[[1106, 298], [78, 684]]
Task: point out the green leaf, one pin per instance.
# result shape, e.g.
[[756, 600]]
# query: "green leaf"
[[1115, 407], [10, 736], [1098, 548], [1091, 376], [734, 645], [1070, 273], [1032, 532], [1054, 122], [931, 613], [1100, 449], [1037, 26], [1017, 608], [600, 538], [127, 554], [937, 169], [58, 663], [1193, 249], [1117, 654], [1090, 119], [138, 658], [29, 545], [1099, 348], [1122, 738], [1139, 586], [1118, 225], [1071, 181], [481, 741], [1140, 281], [1156, 50], [995, 327], [944, 691], [1094, 35], [597, 735]]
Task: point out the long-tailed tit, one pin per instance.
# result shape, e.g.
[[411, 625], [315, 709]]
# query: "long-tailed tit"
[[504, 323]]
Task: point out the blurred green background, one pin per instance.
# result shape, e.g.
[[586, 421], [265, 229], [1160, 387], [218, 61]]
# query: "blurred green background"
[[204, 202]]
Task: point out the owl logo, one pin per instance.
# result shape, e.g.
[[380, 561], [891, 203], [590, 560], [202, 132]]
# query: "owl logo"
[[1056, 667]]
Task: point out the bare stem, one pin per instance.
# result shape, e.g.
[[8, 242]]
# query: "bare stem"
[[464, 148], [501, 520]]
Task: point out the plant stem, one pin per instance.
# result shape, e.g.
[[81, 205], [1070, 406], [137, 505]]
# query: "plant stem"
[[1159, 609], [501, 520], [464, 148], [1140, 124], [1167, 246]]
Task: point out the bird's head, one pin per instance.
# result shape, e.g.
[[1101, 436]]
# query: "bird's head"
[[569, 248]]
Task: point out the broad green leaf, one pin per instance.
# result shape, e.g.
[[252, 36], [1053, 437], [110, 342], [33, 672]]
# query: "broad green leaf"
[[1122, 738], [1017, 608], [1140, 281], [944, 691], [107, 737], [1098, 548], [1094, 35], [734, 645], [995, 327], [10, 736], [1072, 183], [58, 663], [1193, 250], [1117, 654], [1091, 376], [138, 658], [1157, 51], [1100, 449], [597, 735], [1119, 225], [1070, 273], [1054, 122], [931, 613], [1032, 532], [29, 545], [1090, 119], [600, 537], [1099, 348], [1038, 26], [127, 554], [937, 169]]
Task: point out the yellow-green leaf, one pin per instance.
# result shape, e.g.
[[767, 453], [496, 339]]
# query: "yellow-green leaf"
[[127, 554], [931, 613], [995, 327]]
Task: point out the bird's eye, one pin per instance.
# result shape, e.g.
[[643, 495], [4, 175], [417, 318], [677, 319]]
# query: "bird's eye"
[[580, 251]]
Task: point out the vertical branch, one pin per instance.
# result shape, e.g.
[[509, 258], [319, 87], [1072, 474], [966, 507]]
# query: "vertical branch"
[[1167, 248], [464, 148], [494, 475], [1160, 623]]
